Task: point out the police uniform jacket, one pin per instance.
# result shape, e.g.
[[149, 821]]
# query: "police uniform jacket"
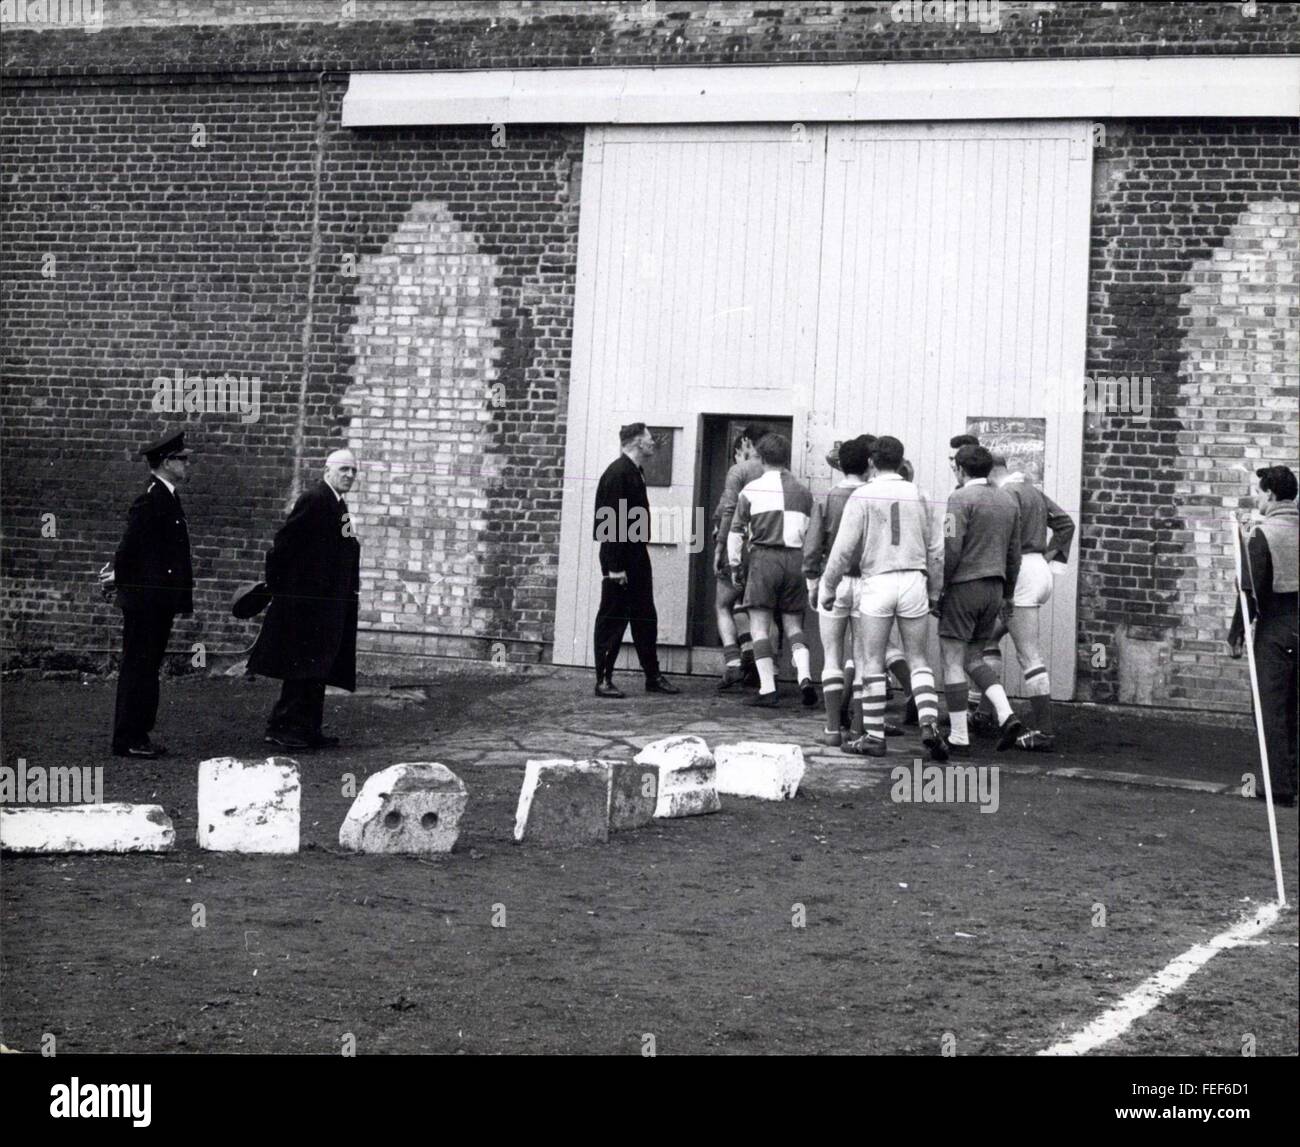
[[152, 568]]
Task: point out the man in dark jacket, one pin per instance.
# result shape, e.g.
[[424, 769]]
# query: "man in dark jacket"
[[627, 594], [1271, 581], [309, 637], [154, 579]]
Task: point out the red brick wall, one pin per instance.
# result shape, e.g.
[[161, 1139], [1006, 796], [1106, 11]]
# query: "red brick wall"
[[170, 256]]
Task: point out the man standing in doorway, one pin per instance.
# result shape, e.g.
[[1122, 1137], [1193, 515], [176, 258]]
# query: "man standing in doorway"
[[154, 578], [309, 637], [627, 585]]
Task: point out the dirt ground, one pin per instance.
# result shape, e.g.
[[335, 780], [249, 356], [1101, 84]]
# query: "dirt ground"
[[921, 920]]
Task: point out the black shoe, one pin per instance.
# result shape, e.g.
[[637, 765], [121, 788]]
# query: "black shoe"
[[661, 684], [892, 730], [287, 741], [1035, 741], [732, 675], [609, 689], [867, 746], [322, 741], [1010, 732], [143, 749], [809, 691], [933, 740], [763, 700]]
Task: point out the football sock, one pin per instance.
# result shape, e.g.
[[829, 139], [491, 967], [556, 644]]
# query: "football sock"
[[924, 695]]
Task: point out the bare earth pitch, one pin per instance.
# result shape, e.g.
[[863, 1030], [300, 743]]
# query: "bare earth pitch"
[[920, 920]]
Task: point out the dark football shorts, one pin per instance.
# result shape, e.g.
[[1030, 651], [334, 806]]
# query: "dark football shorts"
[[723, 574], [776, 580], [970, 609]]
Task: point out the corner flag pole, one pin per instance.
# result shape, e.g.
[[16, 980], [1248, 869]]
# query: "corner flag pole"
[[1243, 561]]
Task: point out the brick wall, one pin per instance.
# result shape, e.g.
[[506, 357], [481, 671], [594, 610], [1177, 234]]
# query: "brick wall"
[[1193, 285], [287, 250], [206, 260], [246, 36]]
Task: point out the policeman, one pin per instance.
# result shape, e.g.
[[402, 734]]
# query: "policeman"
[[154, 578], [1271, 581]]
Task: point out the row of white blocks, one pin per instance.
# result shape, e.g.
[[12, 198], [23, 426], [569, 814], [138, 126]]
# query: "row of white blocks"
[[416, 807]]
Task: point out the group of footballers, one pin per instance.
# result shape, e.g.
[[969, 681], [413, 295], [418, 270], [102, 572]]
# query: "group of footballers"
[[875, 559]]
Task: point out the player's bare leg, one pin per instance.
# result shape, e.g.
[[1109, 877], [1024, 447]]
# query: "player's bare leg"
[[1024, 633]]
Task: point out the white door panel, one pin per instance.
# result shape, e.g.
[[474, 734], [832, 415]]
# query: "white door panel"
[[954, 284]]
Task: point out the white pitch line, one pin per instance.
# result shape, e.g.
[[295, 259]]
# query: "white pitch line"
[[1148, 994]]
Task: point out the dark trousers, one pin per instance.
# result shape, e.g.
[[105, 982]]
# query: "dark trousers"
[[623, 605], [300, 709], [1276, 655], [144, 642]]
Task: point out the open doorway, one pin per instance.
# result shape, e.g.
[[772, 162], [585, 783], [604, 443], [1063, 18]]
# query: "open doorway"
[[717, 437]]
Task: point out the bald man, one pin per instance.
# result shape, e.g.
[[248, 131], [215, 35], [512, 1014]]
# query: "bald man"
[[309, 637]]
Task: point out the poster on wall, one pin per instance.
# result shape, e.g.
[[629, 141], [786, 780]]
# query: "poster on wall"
[[1022, 441], [658, 468]]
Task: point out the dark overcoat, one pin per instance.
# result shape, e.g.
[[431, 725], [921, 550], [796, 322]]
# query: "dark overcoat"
[[152, 569], [313, 571]]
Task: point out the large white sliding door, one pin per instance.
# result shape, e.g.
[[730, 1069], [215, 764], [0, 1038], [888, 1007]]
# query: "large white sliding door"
[[891, 278]]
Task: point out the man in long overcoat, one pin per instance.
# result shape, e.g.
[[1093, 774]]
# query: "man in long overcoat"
[[309, 637]]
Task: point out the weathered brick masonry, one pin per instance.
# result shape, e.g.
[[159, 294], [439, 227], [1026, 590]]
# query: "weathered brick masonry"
[[432, 275], [1196, 229]]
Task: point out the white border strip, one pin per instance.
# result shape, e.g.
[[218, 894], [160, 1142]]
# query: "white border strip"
[[828, 93], [1148, 994]]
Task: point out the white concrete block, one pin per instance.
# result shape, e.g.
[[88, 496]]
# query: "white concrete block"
[[687, 776], [759, 769], [111, 827], [413, 807], [564, 802], [249, 806]]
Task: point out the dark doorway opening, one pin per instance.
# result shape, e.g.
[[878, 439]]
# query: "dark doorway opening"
[[717, 435]]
